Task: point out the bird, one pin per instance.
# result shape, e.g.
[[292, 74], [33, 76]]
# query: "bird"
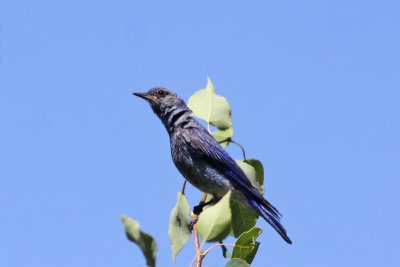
[[203, 161]]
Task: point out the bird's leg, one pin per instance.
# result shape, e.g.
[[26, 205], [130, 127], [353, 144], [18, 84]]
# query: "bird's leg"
[[197, 210]]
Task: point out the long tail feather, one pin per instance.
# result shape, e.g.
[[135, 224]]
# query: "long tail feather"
[[270, 214]]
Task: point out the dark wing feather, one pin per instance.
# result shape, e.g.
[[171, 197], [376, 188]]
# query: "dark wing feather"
[[211, 151]]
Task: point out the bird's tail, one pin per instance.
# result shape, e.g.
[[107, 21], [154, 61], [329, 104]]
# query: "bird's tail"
[[270, 214]]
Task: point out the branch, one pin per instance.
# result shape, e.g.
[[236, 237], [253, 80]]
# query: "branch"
[[199, 254]]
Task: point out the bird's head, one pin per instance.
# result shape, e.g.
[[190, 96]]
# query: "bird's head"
[[162, 101]]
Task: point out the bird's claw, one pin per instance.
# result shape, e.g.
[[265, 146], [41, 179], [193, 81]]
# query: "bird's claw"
[[196, 211], [199, 208], [192, 223]]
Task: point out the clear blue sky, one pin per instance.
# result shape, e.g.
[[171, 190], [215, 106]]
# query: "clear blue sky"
[[315, 93]]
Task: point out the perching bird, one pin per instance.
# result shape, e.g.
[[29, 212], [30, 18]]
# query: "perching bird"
[[202, 160]]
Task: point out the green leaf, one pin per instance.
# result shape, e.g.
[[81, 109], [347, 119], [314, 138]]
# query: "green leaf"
[[259, 169], [179, 231], [214, 222], [145, 241], [223, 136], [246, 246], [236, 263], [251, 173], [243, 219], [210, 107]]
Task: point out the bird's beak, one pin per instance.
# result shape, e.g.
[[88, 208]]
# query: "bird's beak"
[[144, 96]]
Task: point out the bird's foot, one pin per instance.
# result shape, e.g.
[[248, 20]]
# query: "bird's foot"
[[192, 223], [199, 208], [196, 211]]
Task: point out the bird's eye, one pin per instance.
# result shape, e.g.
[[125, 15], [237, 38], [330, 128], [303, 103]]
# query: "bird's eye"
[[161, 92]]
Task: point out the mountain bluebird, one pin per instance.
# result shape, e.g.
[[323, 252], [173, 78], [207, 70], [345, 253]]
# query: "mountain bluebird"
[[202, 160]]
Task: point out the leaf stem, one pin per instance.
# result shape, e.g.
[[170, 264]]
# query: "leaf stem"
[[239, 145], [216, 245], [183, 187]]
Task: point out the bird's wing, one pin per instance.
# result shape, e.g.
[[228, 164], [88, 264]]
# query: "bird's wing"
[[211, 151]]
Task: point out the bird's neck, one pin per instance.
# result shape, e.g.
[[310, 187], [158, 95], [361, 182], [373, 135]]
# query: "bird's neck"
[[176, 117]]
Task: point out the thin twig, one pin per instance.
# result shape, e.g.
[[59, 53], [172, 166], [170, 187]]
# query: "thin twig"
[[199, 254]]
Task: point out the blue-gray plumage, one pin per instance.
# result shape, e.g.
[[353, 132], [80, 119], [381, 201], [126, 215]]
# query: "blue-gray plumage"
[[202, 160]]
